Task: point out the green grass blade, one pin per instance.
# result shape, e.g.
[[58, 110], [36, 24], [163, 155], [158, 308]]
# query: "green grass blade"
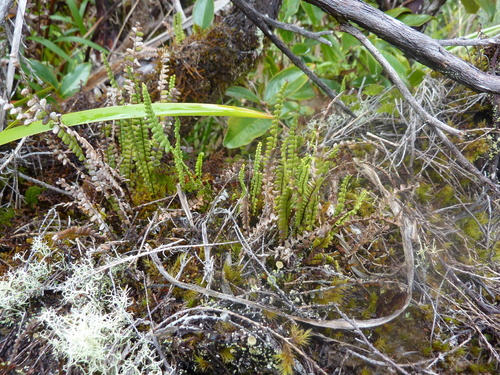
[[128, 112], [50, 45], [77, 18], [80, 40]]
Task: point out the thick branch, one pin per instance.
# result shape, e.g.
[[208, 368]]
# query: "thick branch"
[[413, 43]]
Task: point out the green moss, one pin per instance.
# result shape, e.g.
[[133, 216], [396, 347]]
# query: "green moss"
[[471, 226], [477, 149], [446, 196], [423, 192], [6, 215]]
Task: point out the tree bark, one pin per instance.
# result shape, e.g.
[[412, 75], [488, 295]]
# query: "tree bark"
[[414, 44]]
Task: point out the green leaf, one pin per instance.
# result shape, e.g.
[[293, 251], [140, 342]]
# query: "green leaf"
[[77, 18], [295, 77], [80, 40], [306, 92], [470, 6], [398, 66], [415, 76], [239, 92], [44, 72], [50, 45], [242, 131], [301, 49], [489, 6], [129, 112], [314, 13], [203, 13], [73, 81], [396, 12], [415, 20], [290, 7], [373, 89]]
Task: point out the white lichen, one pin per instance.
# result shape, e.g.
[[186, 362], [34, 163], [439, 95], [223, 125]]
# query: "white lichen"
[[18, 286]]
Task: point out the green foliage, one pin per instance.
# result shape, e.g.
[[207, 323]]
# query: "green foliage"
[[127, 112], [32, 193], [179, 34], [472, 226], [6, 215], [284, 360], [203, 13]]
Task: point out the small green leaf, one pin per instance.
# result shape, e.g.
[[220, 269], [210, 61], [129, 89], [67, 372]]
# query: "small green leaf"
[[50, 45], [242, 131], [301, 49], [203, 13], [415, 20], [290, 7], [295, 77], [73, 81], [77, 17], [306, 92], [416, 76], [239, 92], [44, 72], [396, 12], [489, 6], [470, 6], [373, 89], [127, 112], [80, 40], [314, 13]]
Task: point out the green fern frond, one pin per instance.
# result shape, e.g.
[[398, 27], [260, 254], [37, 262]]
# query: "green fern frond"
[[357, 205], [256, 182], [272, 139], [72, 143], [179, 35], [341, 198], [180, 166], [126, 136], [284, 212], [241, 178], [199, 165]]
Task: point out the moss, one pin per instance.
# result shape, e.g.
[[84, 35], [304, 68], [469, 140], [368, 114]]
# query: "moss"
[[471, 226], [446, 196], [423, 192], [476, 149]]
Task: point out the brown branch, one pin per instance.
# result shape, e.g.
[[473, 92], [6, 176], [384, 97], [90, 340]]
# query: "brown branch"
[[414, 44]]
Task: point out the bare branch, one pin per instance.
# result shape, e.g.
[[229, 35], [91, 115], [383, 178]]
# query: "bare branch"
[[299, 30]]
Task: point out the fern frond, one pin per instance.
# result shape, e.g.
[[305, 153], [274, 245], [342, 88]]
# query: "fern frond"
[[256, 183], [70, 140], [342, 196], [179, 35], [180, 166], [199, 165]]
